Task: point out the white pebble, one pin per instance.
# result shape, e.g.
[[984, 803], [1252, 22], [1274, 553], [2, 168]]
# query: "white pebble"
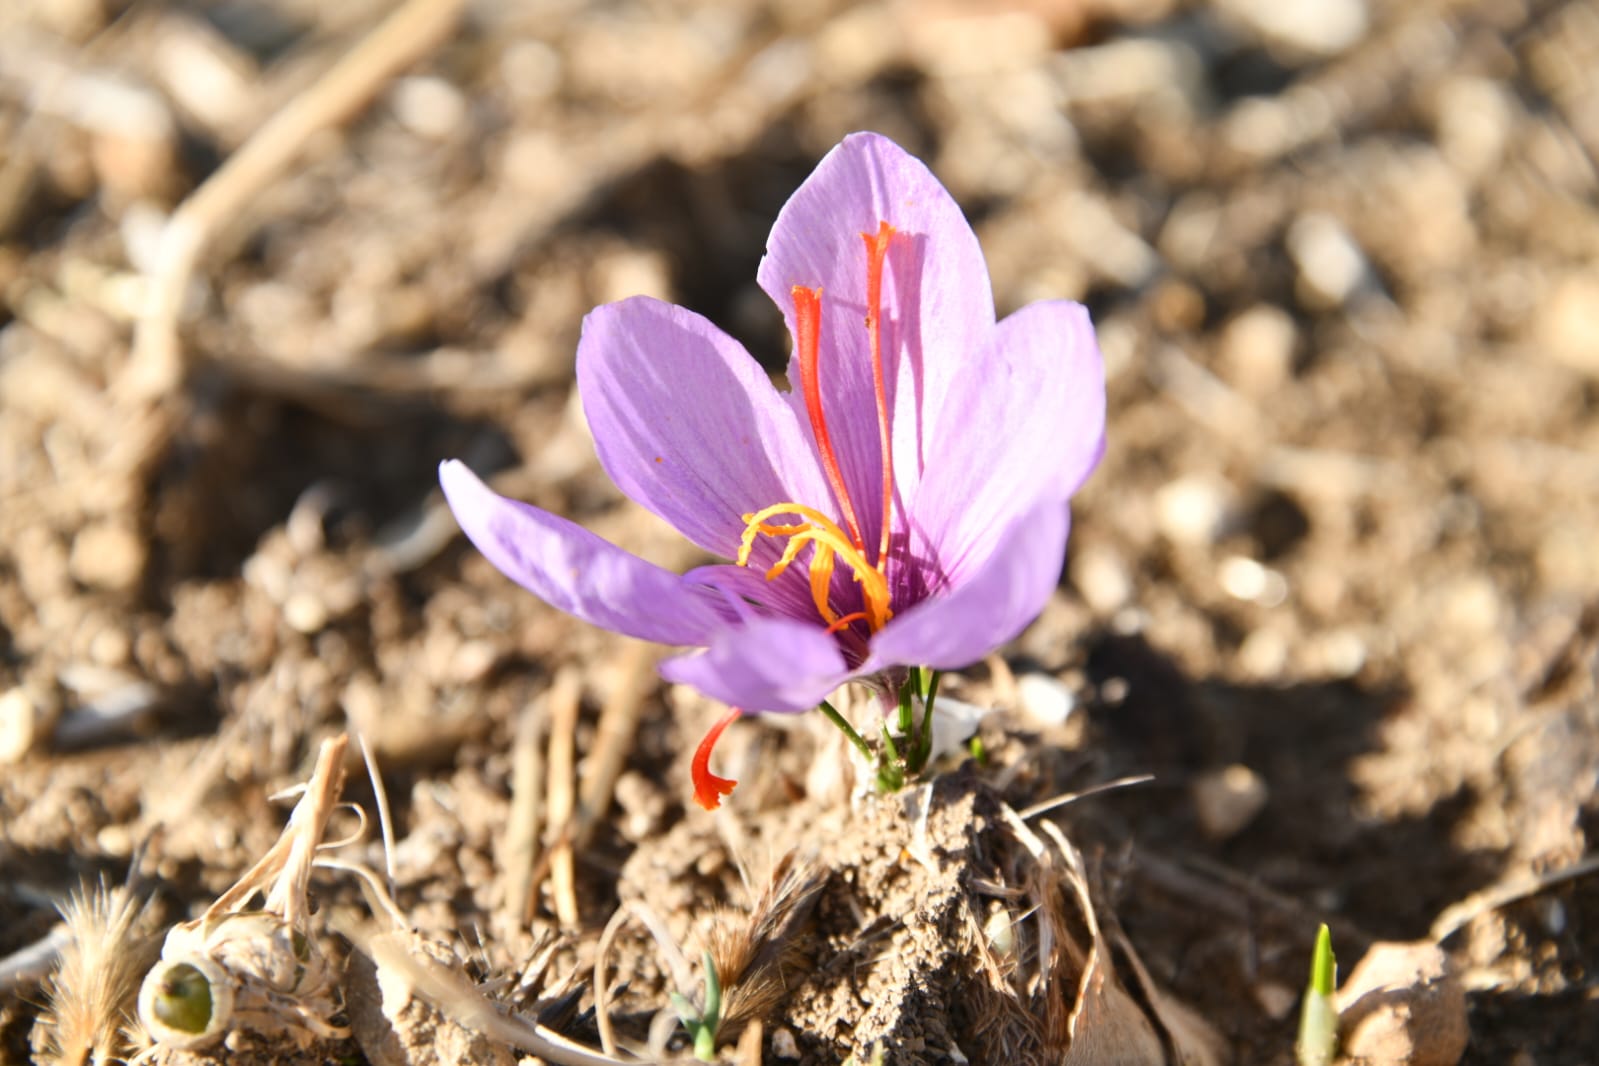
[[1320, 27], [1192, 509], [1331, 266], [1244, 579], [1044, 699], [19, 723]]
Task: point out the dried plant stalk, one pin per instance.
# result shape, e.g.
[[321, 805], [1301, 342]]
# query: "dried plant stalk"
[[254, 969]]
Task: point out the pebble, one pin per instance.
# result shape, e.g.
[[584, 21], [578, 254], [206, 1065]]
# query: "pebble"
[[1277, 1000], [1264, 654], [305, 612], [1192, 509], [1244, 579], [784, 1046], [1317, 27], [531, 71], [429, 107], [1341, 652], [206, 75], [1045, 699], [1331, 266], [1472, 124], [1257, 349], [107, 555], [1403, 1004], [19, 725], [1227, 800], [1102, 578], [1568, 323]]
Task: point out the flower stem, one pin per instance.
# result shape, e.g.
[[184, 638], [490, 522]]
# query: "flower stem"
[[907, 694], [924, 744], [848, 730]]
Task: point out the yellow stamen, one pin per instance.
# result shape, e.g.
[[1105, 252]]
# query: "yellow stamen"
[[831, 543]]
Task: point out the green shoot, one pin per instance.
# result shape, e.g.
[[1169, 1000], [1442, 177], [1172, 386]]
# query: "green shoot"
[[1318, 1018], [905, 750], [702, 1025]]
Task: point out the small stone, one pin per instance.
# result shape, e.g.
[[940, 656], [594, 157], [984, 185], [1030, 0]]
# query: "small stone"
[[1342, 653], [1402, 1004], [1264, 654], [784, 1046], [110, 647], [107, 555], [1474, 119], [1275, 999], [1245, 579], [1099, 574], [1192, 509], [1257, 349], [1568, 322], [209, 77], [1332, 268], [472, 661], [429, 107], [19, 725], [1227, 800], [1316, 27], [305, 613], [1044, 699]]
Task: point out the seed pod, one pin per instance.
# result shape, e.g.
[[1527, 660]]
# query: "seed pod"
[[186, 1002]]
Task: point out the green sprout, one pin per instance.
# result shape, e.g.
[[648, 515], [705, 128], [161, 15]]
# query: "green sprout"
[[702, 1024], [1318, 1018], [907, 748]]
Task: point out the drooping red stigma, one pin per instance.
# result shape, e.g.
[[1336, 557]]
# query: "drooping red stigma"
[[708, 788], [808, 342]]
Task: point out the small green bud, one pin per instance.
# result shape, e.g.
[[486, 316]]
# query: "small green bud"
[[1318, 1018]]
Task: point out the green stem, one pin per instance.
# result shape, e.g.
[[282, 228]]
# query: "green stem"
[[889, 746], [907, 693], [848, 730], [924, 744]]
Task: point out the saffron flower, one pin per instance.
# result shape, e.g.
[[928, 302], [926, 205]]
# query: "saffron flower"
[[905, 505]]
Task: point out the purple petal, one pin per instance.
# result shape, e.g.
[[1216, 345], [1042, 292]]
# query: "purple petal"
[[686, 423], [767, 664], [1032, 430], [789, 595], [570, 568], [937, 305], [990, 607]]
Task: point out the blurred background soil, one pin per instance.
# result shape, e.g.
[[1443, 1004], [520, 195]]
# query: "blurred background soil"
[[1336, 583]]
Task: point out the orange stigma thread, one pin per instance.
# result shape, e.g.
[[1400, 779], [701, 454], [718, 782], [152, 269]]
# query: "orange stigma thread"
[[876, 253], [708, 788], [808, 342]]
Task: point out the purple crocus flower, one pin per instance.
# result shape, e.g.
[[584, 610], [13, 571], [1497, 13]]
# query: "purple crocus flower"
[[905, 505]]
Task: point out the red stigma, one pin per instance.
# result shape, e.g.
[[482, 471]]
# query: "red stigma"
[[708, 788], [808, 343], [876, 253]]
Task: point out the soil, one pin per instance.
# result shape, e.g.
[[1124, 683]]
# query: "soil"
[[1335, 584]]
